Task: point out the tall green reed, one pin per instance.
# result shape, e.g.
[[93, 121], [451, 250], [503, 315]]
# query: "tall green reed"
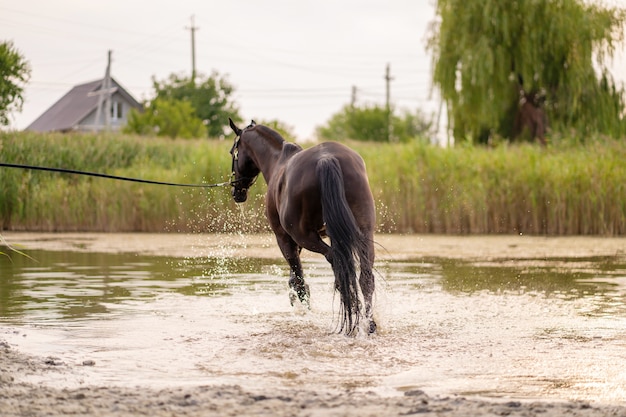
[[507, 189], [418, 188]]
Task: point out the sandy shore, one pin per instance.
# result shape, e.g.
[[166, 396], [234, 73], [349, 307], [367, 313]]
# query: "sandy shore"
[[23, 399], [18, 397], [264, 246]]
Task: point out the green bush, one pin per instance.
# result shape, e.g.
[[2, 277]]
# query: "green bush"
[[375, 124]]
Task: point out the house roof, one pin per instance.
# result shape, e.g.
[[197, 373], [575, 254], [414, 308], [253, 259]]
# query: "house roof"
[[74, 106]]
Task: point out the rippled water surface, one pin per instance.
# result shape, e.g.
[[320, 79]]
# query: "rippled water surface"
[[540, 328]]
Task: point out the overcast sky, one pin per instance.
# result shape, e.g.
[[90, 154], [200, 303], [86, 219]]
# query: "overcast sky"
[[295, 61]]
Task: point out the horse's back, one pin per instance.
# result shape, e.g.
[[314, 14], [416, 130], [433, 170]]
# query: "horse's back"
[[349, 160], [302, 166], [303, 184]]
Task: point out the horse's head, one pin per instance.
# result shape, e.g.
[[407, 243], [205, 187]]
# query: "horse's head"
[[244, 169]]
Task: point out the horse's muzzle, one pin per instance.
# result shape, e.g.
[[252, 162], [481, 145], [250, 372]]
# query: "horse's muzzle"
[[239, 194]]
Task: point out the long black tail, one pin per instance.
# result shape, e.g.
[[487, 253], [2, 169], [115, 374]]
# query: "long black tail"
[[346, 240]]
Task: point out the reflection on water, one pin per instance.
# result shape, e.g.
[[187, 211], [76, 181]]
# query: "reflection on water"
[[71, 285], [601, 280], [545, 328]]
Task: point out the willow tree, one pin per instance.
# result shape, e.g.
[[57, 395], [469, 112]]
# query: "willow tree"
[[491, 55]]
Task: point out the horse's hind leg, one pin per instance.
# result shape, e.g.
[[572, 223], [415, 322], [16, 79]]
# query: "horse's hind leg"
[[311, 241], [366, 281]]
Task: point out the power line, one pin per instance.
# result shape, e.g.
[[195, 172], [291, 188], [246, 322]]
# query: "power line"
[[338, 68], [65, 21]]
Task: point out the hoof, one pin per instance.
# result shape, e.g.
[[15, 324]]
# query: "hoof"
[[294, 296], [372, 328]]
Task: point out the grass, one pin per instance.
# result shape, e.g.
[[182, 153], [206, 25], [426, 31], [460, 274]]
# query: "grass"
[[570, 190]]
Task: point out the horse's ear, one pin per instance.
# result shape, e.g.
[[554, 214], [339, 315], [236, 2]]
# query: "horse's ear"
[[235, 128]]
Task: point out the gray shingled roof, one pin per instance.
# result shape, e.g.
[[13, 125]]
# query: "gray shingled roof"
[[74, 106]]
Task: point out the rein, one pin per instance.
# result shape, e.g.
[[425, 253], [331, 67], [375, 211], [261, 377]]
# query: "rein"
[[115, 177]]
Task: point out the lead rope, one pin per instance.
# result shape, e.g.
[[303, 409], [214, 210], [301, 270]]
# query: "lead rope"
[[116, 177]]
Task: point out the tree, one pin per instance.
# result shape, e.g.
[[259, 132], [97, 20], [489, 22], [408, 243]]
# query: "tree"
[[209, 96], [166, 117], [490, 56], [414, 125], [370, 123], [14, 74]]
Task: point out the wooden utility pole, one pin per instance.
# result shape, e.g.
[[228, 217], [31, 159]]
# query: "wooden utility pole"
[[193, 29], [388, 79], [353, 98], [104, 97], [107, 96]]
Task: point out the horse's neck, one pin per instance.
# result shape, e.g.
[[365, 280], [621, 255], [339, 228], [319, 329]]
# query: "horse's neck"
[[267, 155]]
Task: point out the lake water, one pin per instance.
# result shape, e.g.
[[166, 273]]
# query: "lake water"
[[525, 329]]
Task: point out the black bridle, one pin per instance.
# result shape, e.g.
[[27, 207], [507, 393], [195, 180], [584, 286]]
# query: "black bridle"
[[234, 151]]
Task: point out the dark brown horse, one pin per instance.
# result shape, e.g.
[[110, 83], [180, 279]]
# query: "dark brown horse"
[[530, 119], [313, 193]]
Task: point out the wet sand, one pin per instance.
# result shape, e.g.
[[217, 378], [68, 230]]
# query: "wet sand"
[[21, 398], [264, 246], [24, 399]]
